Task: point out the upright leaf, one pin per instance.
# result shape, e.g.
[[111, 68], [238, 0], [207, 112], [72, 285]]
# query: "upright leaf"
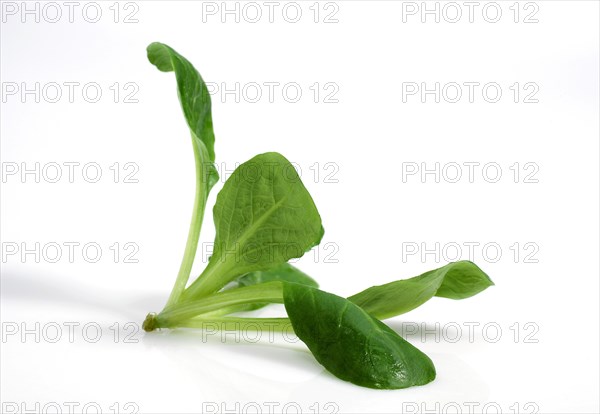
[[353, 345], [192, 91], [196, 105], [264, 216], [458, 280]]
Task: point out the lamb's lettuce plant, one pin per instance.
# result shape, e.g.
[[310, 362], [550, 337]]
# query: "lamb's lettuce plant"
[[264, 217]]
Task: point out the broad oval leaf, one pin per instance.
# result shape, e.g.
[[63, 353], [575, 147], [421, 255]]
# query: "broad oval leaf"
[[353, 345], [264, 216], [458, 280]]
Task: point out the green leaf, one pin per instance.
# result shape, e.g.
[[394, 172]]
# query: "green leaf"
[[174, 315], [264, 216], [284, 273], [353, 345], [193, 93], [196, 105], [458, 280]]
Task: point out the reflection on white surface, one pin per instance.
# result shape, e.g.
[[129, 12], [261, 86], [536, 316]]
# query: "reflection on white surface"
[[191, 367]]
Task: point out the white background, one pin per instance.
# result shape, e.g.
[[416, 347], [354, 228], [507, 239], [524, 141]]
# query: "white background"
[[545, 301]]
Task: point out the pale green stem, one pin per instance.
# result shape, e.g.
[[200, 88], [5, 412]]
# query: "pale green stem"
[[210, 281], [270, 292], [195, 227], [229, 323]]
